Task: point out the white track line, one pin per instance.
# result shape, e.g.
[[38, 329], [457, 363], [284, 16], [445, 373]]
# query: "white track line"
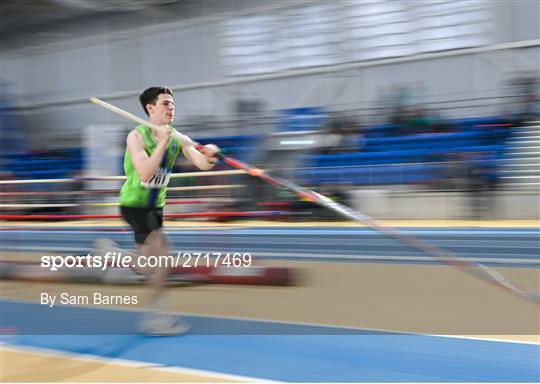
[[299, 323]]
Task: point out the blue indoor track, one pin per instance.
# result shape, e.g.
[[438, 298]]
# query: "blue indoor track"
[[508, 247], [287, 352], [281, 351]]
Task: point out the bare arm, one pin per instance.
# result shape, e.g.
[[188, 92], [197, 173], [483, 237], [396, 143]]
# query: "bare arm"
[[145, 165], [204, 160]]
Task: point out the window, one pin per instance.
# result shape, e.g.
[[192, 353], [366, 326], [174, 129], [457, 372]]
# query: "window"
[[454, 24], [247, 45], [337, 32], [378, 29]]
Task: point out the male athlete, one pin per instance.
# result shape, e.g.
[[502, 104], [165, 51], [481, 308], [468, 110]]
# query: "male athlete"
[[148, 163]]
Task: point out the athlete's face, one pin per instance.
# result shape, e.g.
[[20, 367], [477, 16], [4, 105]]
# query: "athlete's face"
[[163, 111]]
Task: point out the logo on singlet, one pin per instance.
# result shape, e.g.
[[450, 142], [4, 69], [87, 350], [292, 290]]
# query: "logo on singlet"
[[159, 179]]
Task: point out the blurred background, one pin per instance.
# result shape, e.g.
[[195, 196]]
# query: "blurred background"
[[401, 109], [406, 110]]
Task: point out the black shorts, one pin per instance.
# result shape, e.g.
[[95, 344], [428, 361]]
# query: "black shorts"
[[143, 221]]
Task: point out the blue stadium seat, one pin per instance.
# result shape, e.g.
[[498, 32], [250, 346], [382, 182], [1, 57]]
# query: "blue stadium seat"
[[45, 164], [302, 119], [242, 147], [387, 158]]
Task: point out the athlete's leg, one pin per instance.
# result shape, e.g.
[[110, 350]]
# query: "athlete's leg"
[[159, 321], [156, 245], [151, 241]]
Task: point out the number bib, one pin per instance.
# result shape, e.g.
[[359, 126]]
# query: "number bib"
[[159, 179]]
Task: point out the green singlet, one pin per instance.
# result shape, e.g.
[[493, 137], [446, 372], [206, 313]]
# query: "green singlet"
[[134, 192]]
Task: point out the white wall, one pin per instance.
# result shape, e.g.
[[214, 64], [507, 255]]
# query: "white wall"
[[54, 83], [384, 204]]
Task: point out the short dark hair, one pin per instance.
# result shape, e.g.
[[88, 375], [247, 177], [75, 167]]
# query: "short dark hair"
[[150, 96]]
